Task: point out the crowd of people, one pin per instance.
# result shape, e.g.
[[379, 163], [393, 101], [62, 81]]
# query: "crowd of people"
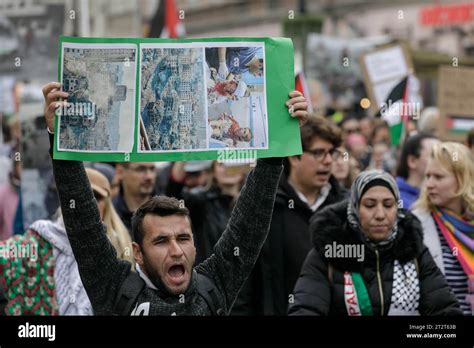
[[352, 226]]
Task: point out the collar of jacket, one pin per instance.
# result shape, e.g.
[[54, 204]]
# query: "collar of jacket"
[[330, 225], [163, 293], [286, 191]]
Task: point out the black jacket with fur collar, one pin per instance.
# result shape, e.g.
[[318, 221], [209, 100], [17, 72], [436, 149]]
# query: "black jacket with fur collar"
[[320, 289]]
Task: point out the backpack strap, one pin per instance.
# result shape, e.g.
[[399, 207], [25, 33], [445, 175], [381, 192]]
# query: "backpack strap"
[[208, 291], [128, 293]]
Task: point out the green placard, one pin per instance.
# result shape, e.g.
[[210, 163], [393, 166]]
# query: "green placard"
[[281, 137]]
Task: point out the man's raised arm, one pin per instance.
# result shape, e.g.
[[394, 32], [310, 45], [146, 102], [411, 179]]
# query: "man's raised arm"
[[101, 272]]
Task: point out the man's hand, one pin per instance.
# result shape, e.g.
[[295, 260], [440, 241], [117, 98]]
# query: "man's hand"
[[51, 95], [298, 107]]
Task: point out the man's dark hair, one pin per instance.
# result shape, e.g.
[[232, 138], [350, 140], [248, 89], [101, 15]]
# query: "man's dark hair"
[[317, 127], [158, 205], [412, 147]]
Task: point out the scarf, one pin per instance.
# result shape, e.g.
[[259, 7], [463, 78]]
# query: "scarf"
[[357, 189], [405, 299], [70, 293], [459, 234]]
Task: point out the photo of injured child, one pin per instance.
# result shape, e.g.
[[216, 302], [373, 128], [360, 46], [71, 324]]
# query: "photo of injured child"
[[237, 113], [238, 124], [231, 88], [228, 130]]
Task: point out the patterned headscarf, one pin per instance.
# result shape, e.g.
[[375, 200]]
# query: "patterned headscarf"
[[357, 189]]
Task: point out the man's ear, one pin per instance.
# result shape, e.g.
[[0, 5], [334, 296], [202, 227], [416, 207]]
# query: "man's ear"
[[137, 254], [294, 160], [412, 162]]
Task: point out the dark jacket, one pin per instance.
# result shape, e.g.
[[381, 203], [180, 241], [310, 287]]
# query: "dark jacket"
[[123, 212], [103, 275], [316, 294], [285, 250]]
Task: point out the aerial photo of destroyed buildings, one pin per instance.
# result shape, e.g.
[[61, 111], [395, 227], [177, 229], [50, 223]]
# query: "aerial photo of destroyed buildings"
[[172, 99], [101, 87]]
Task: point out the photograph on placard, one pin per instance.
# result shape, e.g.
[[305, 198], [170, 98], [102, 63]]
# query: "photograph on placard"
[[100, 80], [172, 98], [237, 113]]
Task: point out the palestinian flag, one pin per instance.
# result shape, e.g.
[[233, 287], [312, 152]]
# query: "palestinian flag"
[[395, 111], [301, 86], [166, 22]]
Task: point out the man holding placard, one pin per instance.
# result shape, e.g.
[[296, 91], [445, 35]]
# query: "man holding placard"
[[167, 282]]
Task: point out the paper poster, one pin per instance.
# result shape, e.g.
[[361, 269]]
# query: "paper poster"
[[175, 99], [385, 68], [100, 80], [455, 102]]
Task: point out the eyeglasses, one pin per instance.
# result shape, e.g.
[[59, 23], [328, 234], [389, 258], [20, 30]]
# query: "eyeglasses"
[[319, 154]]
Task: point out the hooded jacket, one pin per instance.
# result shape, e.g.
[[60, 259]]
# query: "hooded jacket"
[[320, 291]]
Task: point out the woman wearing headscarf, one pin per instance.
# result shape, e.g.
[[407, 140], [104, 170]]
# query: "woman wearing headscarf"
[[446, 211], [369, 259]]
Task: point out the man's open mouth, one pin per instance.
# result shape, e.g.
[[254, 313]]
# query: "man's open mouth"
[[177, 274], [176, 271]]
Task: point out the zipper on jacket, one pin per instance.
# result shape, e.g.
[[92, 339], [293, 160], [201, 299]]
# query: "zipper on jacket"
[[379, 280]]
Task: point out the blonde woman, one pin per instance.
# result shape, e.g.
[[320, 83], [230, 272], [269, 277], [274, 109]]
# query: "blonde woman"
[[446, 210]]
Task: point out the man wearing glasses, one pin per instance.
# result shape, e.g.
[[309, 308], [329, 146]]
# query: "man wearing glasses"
[[306, 188], [137, 182]]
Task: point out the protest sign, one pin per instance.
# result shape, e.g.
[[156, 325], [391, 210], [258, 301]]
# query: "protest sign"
[[383, 69], [456, 102], [393, 89], [175, 99]]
